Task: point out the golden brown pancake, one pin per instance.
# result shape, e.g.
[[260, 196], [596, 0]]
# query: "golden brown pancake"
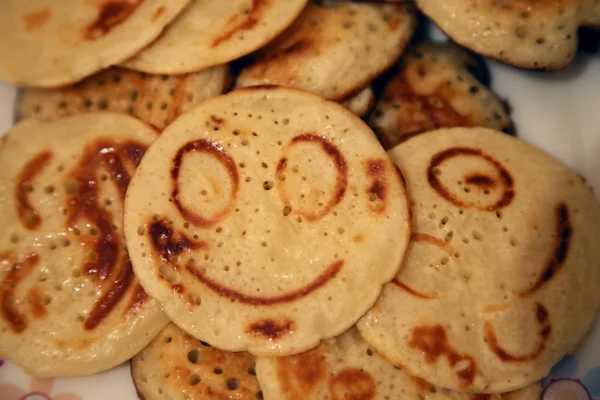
[[69, 302], [155, 99], [48, 43], [177, 366], [434, 88], [346, 367], [528, 34], [502, 276], [214, 32], [265, 220], [334, 51]]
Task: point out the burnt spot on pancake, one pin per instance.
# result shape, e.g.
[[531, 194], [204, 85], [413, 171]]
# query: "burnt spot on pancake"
[[168, 244], [178, 288], [35, 20], [410, 290], [244, 22], [328, 275], [377, 190], [110, 15], [217, 120], [301, 374], [35, 299], [270, 329], [138, 299], [432, 342], [159, 11], [28, 216], [108, 263], [352, 384], [541, 314], [563, 234], [206, 147], [341, 183], [504, 179], [19, 270]]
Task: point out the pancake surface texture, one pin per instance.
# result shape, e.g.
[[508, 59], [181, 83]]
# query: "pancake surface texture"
[[266, 219], [155, 99], [346, 367], [526, 34], [334, 51], [62, 42], [434, 88], [175, 366], [70, 302], [502, 276], [213, 32]]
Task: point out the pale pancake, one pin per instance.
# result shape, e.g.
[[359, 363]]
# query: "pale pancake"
[[346, 367], [527, 34], [361, 103], [502, 276], [334, 51], [155, 99], [175, 366], [213, 32], [48, 43], [265, 220], [70, 302], [434, 88], [591, 13]]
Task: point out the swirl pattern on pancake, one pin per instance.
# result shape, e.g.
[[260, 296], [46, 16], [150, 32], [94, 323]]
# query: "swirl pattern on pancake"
[[501, 278], [69, 302], [266, 219]]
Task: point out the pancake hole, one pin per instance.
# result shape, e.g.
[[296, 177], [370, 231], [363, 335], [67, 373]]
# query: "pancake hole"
[[456, 255], [477, 236], [245, 142], [372, 197], [43, 277], [141, 230], [341, 230], [498, 214], [279, 142], [444, 221], [203, 192], [167, 375], [80, 318], [226, 268], [233, 384], [218, 370], [194, 356], [160, 391], [467, 328], [248, 179], [432, 215], [71, 186], [49, 189], [94, 232], [252, 370], [467, 190], [220, 244], [66, 242], [259, 395], [505, 229], [299, 219], [194, 380], [449, 236], [204, 344], [219, 230], [268, 185], [486, 192], [14, 238], [287, 211], [461, 211], [514, 241], [445, 260], [369, 352], [521, 31], [242, 165], [285, 121], [168, 339], [47, 300], [76, 273], [263, 243]]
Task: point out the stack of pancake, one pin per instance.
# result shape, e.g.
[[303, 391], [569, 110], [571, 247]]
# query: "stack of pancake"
[[353, 219]]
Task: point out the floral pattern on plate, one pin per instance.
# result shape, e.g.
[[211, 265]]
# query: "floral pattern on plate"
[[39, 389]]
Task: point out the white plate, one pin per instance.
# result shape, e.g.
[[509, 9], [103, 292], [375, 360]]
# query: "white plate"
[[558, 112]]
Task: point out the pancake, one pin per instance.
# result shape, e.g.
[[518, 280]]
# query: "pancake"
[[502, 276], [526, 34], [346, 367], [47, 43], [177, 366], [70, 304], [361, 103], [213, 32], [334, 51], [434, 88], [155, 99], [265, 220], [591, 13]]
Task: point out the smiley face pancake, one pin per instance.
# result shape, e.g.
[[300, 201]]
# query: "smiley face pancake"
[[266, 219], [502, 275], [69, 302]]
